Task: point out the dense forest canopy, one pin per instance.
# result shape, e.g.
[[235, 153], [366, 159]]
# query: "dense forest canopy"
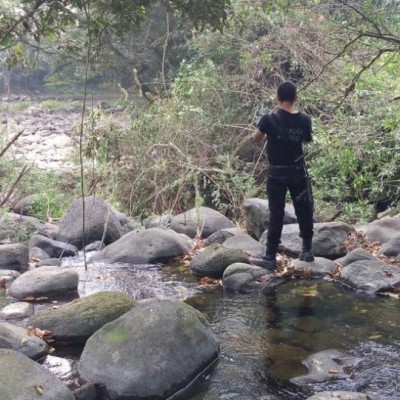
[[208, 70]]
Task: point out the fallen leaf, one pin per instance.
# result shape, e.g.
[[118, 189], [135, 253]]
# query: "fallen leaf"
[[41, 298], [52, 350], [29, 298], [40, 333], [208, 281], [55, 307], [39, 389], [24, 341], [374, 337], [333, 371]]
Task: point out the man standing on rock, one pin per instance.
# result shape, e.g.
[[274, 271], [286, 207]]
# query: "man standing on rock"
[[286, 129]]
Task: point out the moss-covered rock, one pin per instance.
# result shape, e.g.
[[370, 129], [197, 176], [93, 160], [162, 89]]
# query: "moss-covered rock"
[[152, 351], [76, 321]]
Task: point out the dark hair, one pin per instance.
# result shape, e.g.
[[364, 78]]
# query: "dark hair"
[[287, 92]]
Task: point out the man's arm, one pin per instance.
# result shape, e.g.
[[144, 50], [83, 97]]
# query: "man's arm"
[[258, 136]]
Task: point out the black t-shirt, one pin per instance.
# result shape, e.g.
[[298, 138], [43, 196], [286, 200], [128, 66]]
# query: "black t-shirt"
[[298, 127]]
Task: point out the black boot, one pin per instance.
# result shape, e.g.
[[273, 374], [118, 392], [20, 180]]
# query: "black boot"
[[306, 251], [269, 260]]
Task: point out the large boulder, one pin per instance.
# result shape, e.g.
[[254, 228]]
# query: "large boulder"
[[371, 276], [45, 281], [24, 379], [327, 241], [256, 213], [77, 321], [152, 351], [101, 223], [53, 248], [381, 230], [14, 256], [16, 338], [145, 247], [202, 220], [214, 259]]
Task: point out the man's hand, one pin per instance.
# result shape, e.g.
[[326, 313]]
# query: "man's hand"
[[258, 136]]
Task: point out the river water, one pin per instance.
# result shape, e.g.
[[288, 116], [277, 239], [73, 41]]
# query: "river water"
[[264, 339]]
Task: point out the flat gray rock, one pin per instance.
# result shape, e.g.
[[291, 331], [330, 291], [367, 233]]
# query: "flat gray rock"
[[16, 338], [145, 247], [325, 366], [355, 255], [214, 259], [24, 379], [239, 277], [371, 276], [44, 281], [17, 310], [202, 220], [246, 243], [319, 267], [327, 241]]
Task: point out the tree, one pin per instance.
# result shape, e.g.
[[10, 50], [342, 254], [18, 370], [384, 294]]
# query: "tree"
[[74, 30]]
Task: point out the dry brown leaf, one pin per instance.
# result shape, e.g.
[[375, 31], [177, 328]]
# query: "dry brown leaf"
[[40, 333], [2, 282], [29, 298], [208, 281]]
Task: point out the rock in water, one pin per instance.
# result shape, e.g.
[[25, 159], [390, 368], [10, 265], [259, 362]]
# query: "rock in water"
[[152, 351]]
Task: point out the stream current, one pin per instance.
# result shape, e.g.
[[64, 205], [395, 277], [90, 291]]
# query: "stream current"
[[264, 339]]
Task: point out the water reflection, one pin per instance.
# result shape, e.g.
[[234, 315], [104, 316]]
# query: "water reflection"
[[265, 339]]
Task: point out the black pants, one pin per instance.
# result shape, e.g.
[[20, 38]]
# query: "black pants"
[[278, 183]]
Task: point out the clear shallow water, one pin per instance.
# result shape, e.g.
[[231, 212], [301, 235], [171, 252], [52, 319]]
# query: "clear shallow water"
[[264, 339]]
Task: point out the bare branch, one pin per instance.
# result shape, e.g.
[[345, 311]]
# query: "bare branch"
[[11, 142], [365, 17], [337, 56], [25, 170]]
